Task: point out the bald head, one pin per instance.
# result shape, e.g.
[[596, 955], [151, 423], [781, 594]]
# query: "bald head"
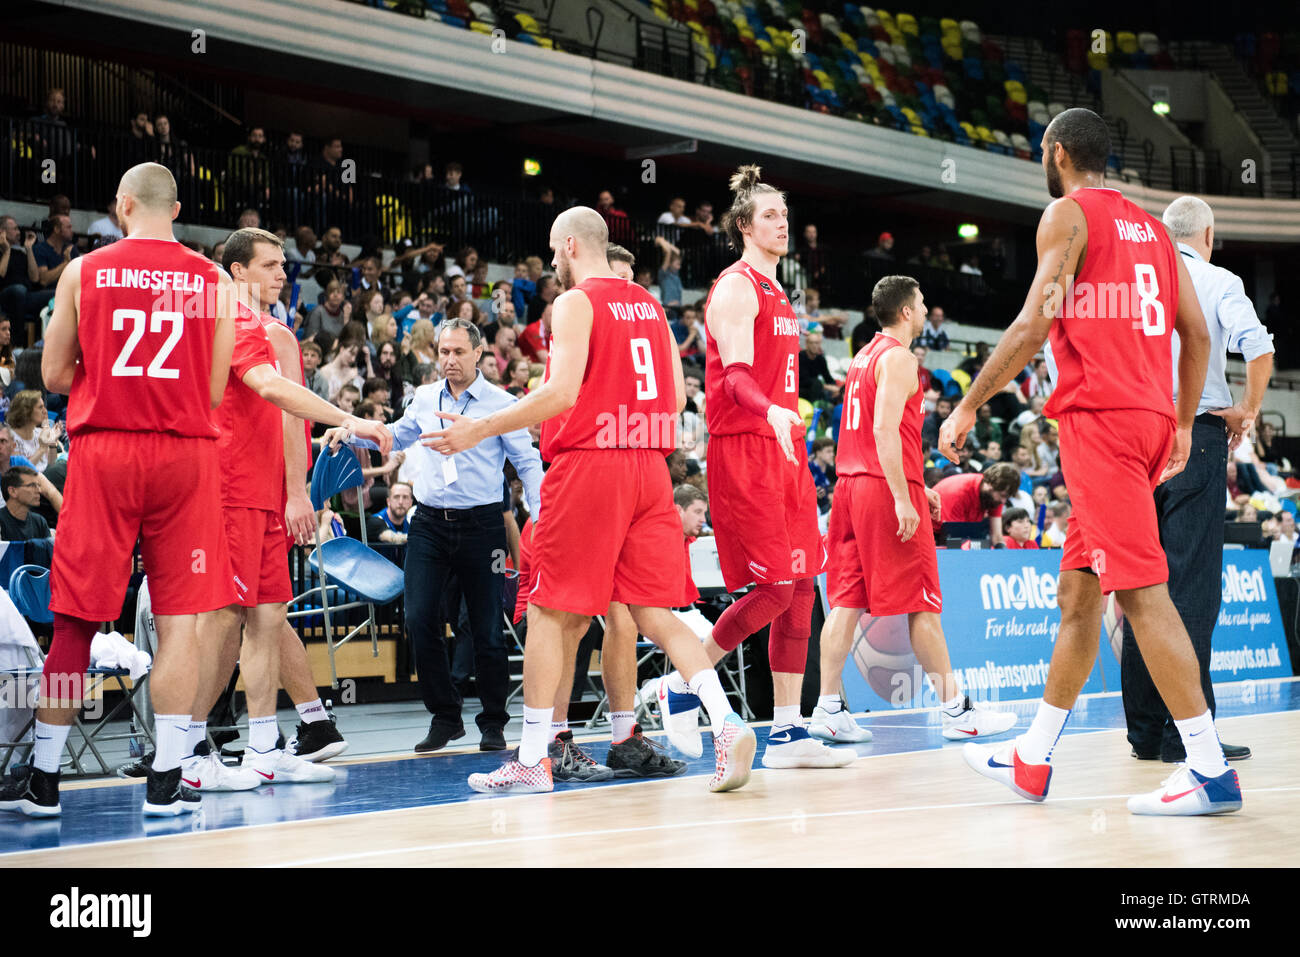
[[579, 238], [151, 185]]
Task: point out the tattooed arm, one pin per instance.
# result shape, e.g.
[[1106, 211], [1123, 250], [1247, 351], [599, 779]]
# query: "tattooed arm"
[[1062, 239]]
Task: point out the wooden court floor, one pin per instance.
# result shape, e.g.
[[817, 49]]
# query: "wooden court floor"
[[920, 808]]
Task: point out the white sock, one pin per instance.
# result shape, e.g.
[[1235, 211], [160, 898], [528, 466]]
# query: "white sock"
[[170, 734], [558, 728], [48, 751], [955, 706], [533, 742], [312, 711], [623, 722], [1201, 742], [196, 734], [830, 703], [262, 733], [708, 687], [1036, 745], [783, 715], [677, 684]]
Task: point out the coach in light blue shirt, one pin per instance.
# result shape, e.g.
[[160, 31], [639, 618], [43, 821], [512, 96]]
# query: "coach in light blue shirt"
[[458, 531], [1190, 505]]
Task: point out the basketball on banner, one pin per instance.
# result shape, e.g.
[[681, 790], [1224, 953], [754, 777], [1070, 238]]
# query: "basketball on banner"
[[882, 651]]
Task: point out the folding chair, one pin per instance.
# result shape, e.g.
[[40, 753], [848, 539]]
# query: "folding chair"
[[348, 568], [645, 651], [29, 589], [706, 572]]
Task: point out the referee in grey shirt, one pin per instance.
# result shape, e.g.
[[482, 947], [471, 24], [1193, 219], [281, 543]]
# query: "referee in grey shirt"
[[1190, 505], [457, 530]]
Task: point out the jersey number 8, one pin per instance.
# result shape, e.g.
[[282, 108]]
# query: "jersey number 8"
[[1153, 323]]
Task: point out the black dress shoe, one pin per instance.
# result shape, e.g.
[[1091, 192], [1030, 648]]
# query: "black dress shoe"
[[438, 736], [1144, 757], [493, 739], [1231, 752]]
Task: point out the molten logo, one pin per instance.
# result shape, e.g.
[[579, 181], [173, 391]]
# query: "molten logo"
[[1029, 589]]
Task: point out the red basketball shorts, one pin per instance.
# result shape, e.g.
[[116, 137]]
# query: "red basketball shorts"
[[608, 531], [163, 490], [1112, 462], [764, 511], [258, 565], [868, 566]]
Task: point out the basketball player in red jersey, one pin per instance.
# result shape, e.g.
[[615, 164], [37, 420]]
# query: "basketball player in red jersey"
[[631, 754], [761, 494], [140, 341], [608, 529], [253, 496], [881, 544], [1109, 291]]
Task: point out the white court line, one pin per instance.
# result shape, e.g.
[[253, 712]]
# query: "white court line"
[[422, 848], [16, 855]]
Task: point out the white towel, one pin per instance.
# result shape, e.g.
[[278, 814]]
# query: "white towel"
[[114, 651]]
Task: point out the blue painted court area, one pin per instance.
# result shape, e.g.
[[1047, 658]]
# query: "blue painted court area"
[[111, 812]]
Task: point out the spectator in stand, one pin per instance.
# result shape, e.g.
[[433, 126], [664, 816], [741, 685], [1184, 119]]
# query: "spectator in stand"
[[1031, 441], [687, 331], [547, 290], [313, 378], [1037, 383], [7, 364], [35, 437], [331, 315], [811, 256], [393, 523], [809, 308], [386, 367], [20, 274], [380, 320], [972, 364], [371, 273], [971, 266], [522, 286], [693, 507], [294, 155], [883, 249], [620, 226], [694, 389], [973, 498], [675, 214], [1286, 528], [922, 258], [1019, 528], [1055, 532], [487, 364], [453, 178], [943, 260], [217, 253], [926, 376], [991, 452], [466, 309], [347, 398], [107, 228], [703, 219], [169, 149], [302, 249], [419, 346], [933, 421], [503, 346], [932, 335], [518, 374], [822, 465], [986, 430], [425, 306], [1031, 414], [19, 520], [816, 384], [54, 253], [465, 264], [139, 141], [1266, 449], [378, 393], [54, 107], [247, 170], [349, 363], [457, 290], [1049, 448]]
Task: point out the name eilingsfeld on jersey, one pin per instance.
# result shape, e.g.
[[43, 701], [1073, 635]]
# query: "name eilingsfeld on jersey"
[[632, 311], [1135, 232], [154, 280]]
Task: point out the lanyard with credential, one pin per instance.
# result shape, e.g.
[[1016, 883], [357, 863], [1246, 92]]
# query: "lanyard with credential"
[[449, 461]]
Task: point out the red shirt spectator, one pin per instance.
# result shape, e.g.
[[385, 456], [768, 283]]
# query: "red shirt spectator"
[[978, 495]]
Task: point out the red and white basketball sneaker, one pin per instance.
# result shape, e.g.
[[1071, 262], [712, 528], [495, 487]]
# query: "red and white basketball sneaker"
[[733, 752], [1002, 764], [515, 778]]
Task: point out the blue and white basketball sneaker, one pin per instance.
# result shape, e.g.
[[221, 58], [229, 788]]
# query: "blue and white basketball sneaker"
[[791, 746], [681, 715], [1186, 792]]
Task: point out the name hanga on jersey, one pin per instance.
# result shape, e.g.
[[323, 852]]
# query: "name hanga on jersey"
[[152, 279], [1135, 232]]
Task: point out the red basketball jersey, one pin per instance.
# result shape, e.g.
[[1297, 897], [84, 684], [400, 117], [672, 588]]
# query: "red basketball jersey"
[[628, 399], [776, 358], [856, 452], [145, 326], [252, 437], [1111, 343]]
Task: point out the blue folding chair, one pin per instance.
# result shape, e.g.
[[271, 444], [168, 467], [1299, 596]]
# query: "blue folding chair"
[[348, 569], [29, 590]]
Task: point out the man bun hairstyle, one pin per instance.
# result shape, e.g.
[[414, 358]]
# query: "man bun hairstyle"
[[746, 184]]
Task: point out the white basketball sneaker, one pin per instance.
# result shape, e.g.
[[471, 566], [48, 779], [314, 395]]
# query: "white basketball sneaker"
[[791, 746], [207, 773], [1186, 792], [281, 767], [976, 721], [681, 717], [837, 728]]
